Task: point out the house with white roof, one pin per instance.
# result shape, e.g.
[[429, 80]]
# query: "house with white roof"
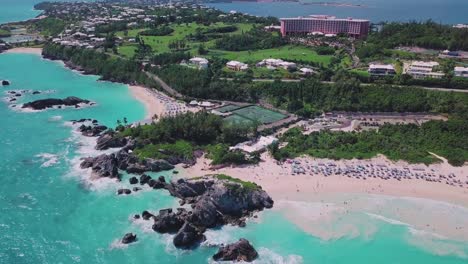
[[461, 72], [423, 69], [237, 66], [381, 69], [201, 63]]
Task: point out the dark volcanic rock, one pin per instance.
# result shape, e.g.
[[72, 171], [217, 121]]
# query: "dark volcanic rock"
[[124, 191], [133, 180], [91, 131], [107, 165], [242, 250], [36, 92], [51, 102], [5, 83], [146, 215], [144, 179], [110, 140], [188, 236], [215, 202], [129, 238], [168, 222], [136, 189], [103, 165]]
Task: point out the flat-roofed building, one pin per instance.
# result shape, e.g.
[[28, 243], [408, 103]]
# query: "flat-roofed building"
[[461, 72], [423, 69], [328, 25], [381, 69], [237, 66], [201, 63]]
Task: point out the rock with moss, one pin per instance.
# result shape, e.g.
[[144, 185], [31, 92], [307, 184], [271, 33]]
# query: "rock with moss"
[[215, 200]]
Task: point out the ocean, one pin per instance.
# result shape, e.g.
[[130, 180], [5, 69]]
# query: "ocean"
[[441, 11], [52, 213]]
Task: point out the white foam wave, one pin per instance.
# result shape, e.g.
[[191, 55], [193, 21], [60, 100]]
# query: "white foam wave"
[[85, 148], [219, 237], [388, 220], [48, 159], [55, 118], [267, 256]]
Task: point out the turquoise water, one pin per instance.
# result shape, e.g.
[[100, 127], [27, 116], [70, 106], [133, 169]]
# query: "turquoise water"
[[443, 11], [50, 214]]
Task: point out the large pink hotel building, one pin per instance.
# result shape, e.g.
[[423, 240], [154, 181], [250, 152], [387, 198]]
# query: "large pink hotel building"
[[321, 24]]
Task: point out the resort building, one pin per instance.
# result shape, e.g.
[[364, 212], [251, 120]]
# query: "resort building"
[[277, 63], [326, 25], [306, 71], [201, 63], [258, 145], [381, 69], [237, 66], [461, 72], [422, 69]]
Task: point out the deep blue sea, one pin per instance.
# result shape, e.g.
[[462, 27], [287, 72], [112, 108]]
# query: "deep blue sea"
[[51, 212], [442, 11]]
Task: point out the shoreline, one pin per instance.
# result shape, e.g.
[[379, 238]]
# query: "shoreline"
[[152, 105], [307, 200], [35, 51], [278, 181]]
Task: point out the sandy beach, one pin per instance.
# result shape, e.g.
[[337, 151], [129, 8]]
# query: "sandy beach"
[[157, 103], [152, 105], [37, 51], [278, 180], [309, 199]]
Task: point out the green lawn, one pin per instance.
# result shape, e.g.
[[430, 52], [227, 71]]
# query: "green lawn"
[[288, 52], [159, 44], [130, 33], [4, 32]]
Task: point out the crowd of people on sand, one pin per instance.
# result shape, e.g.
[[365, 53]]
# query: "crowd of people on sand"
[[365, 171], [171, 106]]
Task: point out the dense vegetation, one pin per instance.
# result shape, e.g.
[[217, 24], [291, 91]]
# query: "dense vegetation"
[[179, 136], [311, 96], [398, 142], [427, 35], [94, 62]]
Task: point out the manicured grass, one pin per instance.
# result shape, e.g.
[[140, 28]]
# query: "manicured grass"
[[159, 44], [130, 33], [288, 52], [361, 72], [127, 50]]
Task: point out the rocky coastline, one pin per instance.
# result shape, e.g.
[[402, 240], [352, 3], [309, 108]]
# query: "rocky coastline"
[[53, 102], [208, 202]]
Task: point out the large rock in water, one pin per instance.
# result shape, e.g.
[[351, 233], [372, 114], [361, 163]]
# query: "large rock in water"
[[5, 83], [215, 200], [168, 222], [51, 102], [110, 140], [188, 236], [107, 165], [129, 238], [242, 250], [103, 165]]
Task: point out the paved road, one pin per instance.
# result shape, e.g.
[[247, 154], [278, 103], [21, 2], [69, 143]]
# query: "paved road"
[[363, 84], [165, 86]]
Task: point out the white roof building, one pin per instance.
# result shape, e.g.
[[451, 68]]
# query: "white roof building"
[[200, 62], [255, 146], [237, 65], [423, 69], [461, 72]]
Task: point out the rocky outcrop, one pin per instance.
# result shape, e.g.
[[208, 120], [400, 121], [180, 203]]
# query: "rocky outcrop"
[[108, 165], [215, 201], [129, 238], [242, 250], [188, 236], [110, 140], [51, 102], [5, 83], [168, 221], [133, 180], [91, 130]]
